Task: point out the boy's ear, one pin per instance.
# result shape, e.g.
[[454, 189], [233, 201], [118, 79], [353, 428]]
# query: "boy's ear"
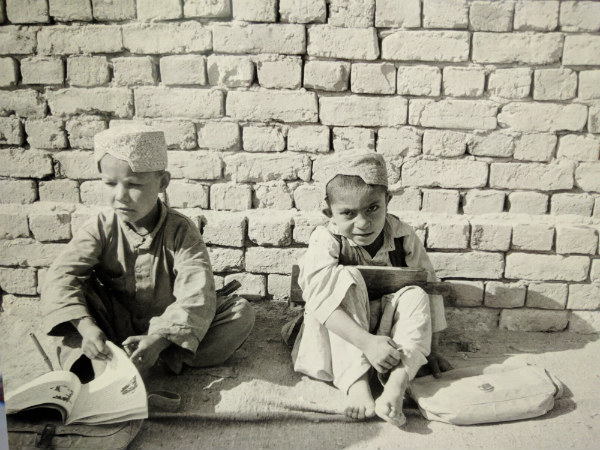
[[388, 197], [165, 179]]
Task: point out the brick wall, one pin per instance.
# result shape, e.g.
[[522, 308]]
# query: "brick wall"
[[488, 113]]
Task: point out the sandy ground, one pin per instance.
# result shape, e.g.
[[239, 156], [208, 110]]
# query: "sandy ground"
[[262, 370]]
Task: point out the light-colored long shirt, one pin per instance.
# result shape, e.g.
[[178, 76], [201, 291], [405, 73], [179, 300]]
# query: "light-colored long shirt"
[[164, 279]]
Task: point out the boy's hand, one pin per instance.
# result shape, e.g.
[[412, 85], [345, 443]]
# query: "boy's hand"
[[144, 350], [94, 339], [438, 364], [382, 353]]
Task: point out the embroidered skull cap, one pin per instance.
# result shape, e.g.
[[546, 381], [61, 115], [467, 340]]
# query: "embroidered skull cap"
[[367, 165]]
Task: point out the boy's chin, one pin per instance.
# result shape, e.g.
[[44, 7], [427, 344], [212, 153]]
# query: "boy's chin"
[[364, 240]]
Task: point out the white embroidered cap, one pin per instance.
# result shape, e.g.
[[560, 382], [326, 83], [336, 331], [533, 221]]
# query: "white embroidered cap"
[[369, 166], [143, 148]]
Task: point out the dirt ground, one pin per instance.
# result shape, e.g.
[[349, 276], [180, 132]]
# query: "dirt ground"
[[261, 370]]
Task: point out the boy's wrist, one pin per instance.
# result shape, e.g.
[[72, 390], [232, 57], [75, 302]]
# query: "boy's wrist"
[[85, 324], [158, 342]]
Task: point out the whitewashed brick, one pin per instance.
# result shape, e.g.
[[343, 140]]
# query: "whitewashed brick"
[[195, 165], [343, 43], [226, 259], [579, 16], [533, 236], [71, 10], [42, 70], [224, 228], [60, 190], [15, 40], [350, 138], [17, 191], [589, 84], [545, 177], [593, 124], [21, 163], [8, 72], [183, 70], [547, 295], [260, 38], [27, 11], [308, 197], [81, 131], [405, 200], [444, 143], [470, 319], [263, 138], [445, 14], [463, 81], [134, 71], [475, 265], [231, 71], [305, 223], [585, 322], [351, 13], [554, 84], [93, 193], [263, 106], [178, 102], [491, 16], [253, 286], [18, 281], [587, 176], [187, 194], [547, 267], [539, 15], [543, 116], [272, 195], [46, 133], [581, 50], [29, 253], [113, 10], [451, 113], [269, 229], [395, 144], [281, 73], [11, 131], [490, 236], [510, 83], [150, 10], [278, 286], [116, 101], [595, 271], [202, 8], [445, 173], [229, 196], [533, 319], [219, 135], [440, 201], [87, 71], [448, 234], [466, 293], [596, 207], [567, 203], [373, 78], [302, 11], [23, 103], [363, 111], [308, 138], [244, 167], [497, 143], [527, 48], [576, 239], [584, 296], [535, 147], [528, 202], [326, 75], [272, 260], [254, 10], [419, 80], [73, 40], [159, 38], [504, 295], [50, 227], [452, 46], [391, 13], [578, 147], [483, 201], [12, 225]]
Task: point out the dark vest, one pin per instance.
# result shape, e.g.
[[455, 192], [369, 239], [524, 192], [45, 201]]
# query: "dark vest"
[[397, 256]]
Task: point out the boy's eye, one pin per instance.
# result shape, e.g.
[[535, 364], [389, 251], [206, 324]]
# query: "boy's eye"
[[110, 183], [347, 213], [373, 208]]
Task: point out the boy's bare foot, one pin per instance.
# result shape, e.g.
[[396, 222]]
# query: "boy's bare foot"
[[389, 405], [360, 400]]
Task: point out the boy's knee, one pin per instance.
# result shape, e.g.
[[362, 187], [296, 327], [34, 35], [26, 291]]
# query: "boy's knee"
[[413, 298], [244, 314]]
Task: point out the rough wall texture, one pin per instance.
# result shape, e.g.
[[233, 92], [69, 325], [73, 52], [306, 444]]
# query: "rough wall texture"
[[488, 113]]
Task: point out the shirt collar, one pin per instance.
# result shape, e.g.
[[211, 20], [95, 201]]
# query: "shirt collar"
[[144, 241]]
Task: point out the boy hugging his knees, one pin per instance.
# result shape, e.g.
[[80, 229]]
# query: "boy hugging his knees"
[[345, 333], [140, 275]]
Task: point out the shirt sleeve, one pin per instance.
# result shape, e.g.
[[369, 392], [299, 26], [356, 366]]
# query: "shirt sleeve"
[[416, 256], [63, 298], [324, 282], [186, 321]]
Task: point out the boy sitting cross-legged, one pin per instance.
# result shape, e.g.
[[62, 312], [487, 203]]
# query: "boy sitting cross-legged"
[[345, 334], [140, 275]]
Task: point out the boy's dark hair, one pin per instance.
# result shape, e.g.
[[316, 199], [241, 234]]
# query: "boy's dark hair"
[[349, 182]]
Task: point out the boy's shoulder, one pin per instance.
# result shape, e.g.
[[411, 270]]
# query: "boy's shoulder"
[[397, 227], [180, 223]]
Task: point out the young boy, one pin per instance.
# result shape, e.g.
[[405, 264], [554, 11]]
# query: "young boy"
[[140, 276], [345, 333]]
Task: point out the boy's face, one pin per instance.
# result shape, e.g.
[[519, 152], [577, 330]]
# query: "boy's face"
[[359, 214], [132, 195]]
